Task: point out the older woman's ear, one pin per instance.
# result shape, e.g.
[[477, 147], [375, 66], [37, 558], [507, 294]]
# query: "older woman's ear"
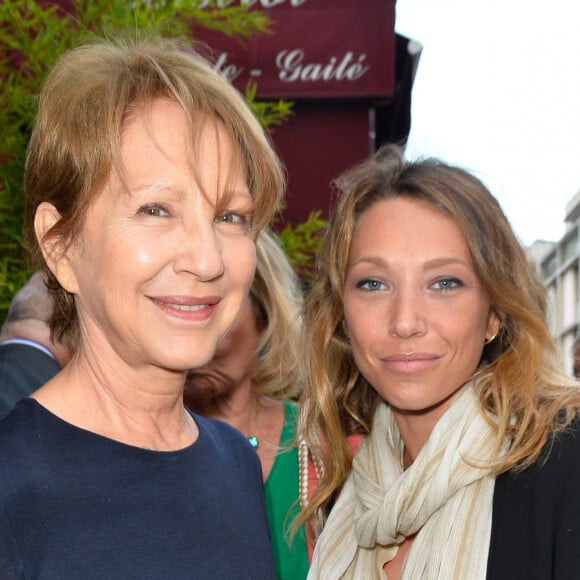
[[55, 252]]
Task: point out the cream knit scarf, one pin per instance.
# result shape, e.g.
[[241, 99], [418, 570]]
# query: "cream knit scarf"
[[443, 498]]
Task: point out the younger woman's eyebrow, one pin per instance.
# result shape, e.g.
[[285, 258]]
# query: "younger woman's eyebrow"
[[429, 264], [438, 262]]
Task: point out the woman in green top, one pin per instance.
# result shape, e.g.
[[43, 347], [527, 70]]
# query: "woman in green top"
[[250, 384]]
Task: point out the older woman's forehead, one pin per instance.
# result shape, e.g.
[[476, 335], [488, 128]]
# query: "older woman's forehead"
[[199, 142]]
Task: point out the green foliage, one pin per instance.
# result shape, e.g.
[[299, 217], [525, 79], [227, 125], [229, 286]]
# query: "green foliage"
[[33, 35], [169, 17], [301, 244], [269, 113]]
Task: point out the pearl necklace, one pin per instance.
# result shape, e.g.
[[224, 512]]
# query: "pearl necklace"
[[303, 455]]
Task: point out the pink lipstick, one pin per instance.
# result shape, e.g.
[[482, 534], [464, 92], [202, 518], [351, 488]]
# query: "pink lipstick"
[[188, 308]]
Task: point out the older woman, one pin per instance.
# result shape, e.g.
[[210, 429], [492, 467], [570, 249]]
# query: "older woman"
[[147, 182], [250, 384], [428, 333]]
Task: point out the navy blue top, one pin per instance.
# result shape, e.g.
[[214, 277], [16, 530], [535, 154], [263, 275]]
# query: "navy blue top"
[[74, 504]]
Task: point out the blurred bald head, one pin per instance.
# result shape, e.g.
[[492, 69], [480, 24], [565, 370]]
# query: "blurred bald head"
[[28, 316], [30, 302]]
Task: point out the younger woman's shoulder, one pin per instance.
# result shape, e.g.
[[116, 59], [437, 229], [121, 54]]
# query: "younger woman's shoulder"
[[566, 440], [561, 452]]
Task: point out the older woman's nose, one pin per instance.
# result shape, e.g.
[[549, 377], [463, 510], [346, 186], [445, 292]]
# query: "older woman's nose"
[[200, 253]]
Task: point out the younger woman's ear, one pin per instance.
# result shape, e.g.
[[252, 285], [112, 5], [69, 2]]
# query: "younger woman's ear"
[[494, 323], [54, 250]]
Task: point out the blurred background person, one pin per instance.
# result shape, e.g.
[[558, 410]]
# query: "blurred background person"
[[426, 329], [28, 357], [148, 180], [251, 383]]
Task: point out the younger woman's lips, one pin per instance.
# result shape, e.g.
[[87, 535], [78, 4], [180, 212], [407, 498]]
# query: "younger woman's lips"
[[409, 363]]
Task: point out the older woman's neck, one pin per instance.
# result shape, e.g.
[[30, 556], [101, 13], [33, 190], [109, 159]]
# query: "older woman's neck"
[[145, 413]]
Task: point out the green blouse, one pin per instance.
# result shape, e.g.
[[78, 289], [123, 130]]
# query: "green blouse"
[[282, 504]]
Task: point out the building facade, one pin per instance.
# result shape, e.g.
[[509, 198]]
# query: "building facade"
[[558, 265]]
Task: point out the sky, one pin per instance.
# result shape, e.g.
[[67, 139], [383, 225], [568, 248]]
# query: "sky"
[[497, 91]]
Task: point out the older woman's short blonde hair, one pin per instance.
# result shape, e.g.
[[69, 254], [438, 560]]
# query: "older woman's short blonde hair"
[[83, 107]]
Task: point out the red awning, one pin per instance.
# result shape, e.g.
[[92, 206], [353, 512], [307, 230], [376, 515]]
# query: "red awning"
[[318, 48]]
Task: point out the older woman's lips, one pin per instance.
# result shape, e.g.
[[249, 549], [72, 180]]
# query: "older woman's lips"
[[187, 307], [409, 363]]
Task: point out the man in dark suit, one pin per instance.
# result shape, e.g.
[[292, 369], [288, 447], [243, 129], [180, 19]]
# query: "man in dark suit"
[[28, 358]]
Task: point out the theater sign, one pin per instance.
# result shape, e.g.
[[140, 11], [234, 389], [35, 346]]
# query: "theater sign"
[[339, 62], [317, 48]]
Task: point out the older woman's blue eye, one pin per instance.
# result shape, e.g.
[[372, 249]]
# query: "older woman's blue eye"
[[154, 210], [231, 217]]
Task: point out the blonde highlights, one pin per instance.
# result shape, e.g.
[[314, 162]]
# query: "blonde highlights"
[[522, 391]]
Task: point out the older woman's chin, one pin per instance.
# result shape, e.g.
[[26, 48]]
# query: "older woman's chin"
[[182, 358]]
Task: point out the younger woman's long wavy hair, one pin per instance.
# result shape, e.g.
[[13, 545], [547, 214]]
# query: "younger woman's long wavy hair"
[[522, 391]]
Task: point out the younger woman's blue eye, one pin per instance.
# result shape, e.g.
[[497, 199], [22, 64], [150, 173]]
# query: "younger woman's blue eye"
[[448, 283], [370, 285]]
